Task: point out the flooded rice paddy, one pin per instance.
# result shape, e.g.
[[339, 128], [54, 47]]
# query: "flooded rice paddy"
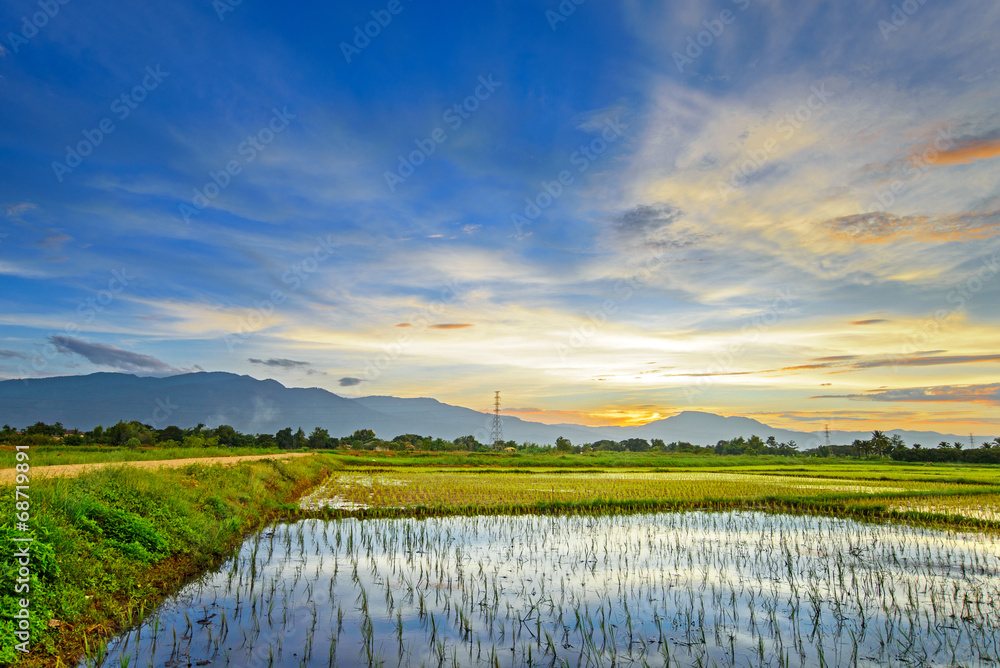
[[355, 490], [694, 588]]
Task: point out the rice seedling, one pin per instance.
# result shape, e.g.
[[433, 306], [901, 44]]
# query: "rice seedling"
[[689, 588]]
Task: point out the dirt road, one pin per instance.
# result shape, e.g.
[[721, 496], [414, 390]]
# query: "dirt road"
[[7, 476]]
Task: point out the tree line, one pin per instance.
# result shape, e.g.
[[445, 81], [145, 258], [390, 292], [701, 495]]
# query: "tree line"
[[134, 434], [881, 445]]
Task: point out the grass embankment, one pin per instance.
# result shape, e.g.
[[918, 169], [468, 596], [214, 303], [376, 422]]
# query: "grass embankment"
[[110, 544]]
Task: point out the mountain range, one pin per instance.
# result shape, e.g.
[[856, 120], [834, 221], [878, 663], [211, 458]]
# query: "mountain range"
[[258, 406]]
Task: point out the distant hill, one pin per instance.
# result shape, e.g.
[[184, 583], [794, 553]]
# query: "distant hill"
[[708, 428], [259, 406], [248, 404]]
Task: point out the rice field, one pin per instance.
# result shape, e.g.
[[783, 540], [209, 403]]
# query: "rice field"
[[431, 566], [413, 490], [657, 589]]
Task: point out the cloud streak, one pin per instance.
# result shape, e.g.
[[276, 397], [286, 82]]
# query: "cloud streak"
[[970, 151], [975, 394], [279, 362], [104, 354]]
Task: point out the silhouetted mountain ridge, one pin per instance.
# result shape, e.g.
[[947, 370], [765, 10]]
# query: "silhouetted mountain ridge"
[[257, 406]]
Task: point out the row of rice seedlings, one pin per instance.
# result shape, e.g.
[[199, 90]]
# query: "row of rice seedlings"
[[405, 488], [979, 506], [667, 589]]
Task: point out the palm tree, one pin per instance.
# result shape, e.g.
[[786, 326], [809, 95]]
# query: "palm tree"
[[880, 443]]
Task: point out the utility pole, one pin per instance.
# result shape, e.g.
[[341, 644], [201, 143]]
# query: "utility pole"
[[496, 436]]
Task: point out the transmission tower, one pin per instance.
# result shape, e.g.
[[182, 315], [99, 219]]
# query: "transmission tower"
[[972, 443], [496, 436], [828, 436]]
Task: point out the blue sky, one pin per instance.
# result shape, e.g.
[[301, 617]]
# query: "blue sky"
[[610, 211]]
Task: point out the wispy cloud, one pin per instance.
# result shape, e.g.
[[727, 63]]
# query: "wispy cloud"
[[970, 150], [15, 210], [885, 227], [104, 354], [975, 394], [279, 362], [895, 361], [55, 240]]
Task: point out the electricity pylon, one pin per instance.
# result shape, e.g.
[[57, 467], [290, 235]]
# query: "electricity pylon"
[[496, 436]]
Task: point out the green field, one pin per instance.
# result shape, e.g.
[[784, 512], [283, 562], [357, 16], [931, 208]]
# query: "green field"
[[55, 455], [111, 544], [929, 494]]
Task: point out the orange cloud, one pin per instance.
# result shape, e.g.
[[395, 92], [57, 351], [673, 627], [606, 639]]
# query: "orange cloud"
[[451, 325], [883, 227], [970, 152]]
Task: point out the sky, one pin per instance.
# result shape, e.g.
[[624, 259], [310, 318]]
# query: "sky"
[[610, 212]]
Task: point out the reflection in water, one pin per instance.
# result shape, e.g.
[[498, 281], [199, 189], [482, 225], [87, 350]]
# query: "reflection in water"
[[659, 589]]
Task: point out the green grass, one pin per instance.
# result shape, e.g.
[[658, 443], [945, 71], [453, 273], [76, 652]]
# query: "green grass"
[[110, 544], [52, 455]]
